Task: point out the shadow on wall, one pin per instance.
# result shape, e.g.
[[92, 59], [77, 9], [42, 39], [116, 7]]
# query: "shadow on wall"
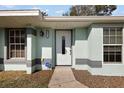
[[1, 64], [80, 34]]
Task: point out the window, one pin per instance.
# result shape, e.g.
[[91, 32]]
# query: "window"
[[16, 43], [63, 45], [112, 40], [112, 54], [112, 35]]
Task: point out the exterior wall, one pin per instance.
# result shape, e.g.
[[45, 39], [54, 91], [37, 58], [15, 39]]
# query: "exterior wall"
[[46, 46], [95, 43], [37, 48], [53, 48], [4, 63], [15, 67], [36, 62], [8, 63], [81, 43], [87, 51], [15, 64], [95, 53], [33, 46], [80, 46], [41, 48], [2, 42], [27, 64], [31, 51], [109, 69]]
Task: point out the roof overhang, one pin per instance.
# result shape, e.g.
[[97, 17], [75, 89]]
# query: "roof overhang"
[[24, 18], [19, 13], [20, 18]]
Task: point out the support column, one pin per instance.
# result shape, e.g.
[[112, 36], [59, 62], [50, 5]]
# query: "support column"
[[29, 50]]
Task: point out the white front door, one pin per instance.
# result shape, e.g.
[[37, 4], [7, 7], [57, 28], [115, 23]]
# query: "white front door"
[[63, 47]]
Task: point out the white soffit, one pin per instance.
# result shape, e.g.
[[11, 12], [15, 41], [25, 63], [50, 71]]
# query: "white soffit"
[[65, 25], [21, 18], [18, 21]]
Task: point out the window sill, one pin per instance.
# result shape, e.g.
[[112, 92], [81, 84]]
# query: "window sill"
[[112, 63], [15, 61]]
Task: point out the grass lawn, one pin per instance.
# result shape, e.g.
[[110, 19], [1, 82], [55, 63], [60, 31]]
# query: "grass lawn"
[[97, 81], [19, 79]]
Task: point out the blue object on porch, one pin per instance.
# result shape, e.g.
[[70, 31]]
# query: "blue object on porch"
[[48, 64]]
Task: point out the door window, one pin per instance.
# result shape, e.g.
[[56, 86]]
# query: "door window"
[[63, 44]]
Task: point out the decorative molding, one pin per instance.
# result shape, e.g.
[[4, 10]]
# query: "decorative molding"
[[15, 61]]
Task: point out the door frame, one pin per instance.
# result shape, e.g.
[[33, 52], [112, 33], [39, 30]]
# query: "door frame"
[[56, 30]]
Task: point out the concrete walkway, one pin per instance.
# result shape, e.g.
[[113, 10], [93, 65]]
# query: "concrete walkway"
[[63, 78]]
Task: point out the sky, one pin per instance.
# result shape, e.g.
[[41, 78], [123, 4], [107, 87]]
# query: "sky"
[[55, 10]]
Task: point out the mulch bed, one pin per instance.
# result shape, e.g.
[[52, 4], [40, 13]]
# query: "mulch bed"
[[19, 79], [96, 81]]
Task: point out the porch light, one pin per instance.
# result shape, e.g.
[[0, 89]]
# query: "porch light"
[[41, 33]]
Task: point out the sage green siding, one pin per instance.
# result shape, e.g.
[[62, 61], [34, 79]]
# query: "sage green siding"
[[95, 43], [89, 43], [53, 48], [33, 46], [44, 42], [81, 34], [2, 43], [81, 43]]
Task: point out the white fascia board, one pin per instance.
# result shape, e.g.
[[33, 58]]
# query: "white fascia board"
[[85, 18], [20, 13]]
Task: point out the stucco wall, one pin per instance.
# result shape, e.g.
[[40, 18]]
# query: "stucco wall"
[[88, 47], [33, 49], [95, 53], [31, 43], [45, 47], [15, 67], [2, 42], [95, 43], [81, 43], [43, 42], [89, 43]]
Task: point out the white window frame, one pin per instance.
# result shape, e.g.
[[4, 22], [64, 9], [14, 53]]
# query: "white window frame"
[[113, 45], [10, 44]]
